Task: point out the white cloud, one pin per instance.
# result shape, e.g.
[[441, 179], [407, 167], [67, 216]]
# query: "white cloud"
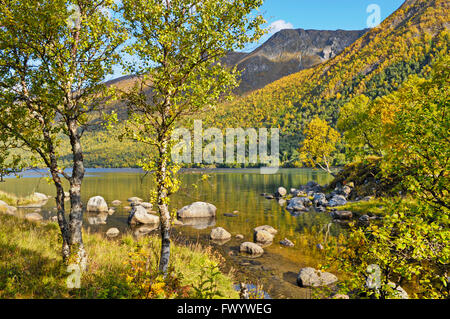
[[278, 25]]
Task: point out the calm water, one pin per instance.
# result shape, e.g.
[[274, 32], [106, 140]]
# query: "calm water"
[[228, 190]]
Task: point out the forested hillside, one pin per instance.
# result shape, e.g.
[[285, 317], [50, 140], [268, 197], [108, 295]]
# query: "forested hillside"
[[376, 64], [405, 43]]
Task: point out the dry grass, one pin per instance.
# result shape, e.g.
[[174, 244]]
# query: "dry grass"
[[31, 265]]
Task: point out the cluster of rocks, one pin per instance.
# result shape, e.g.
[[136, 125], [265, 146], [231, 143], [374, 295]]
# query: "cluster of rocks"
[[310, 195]]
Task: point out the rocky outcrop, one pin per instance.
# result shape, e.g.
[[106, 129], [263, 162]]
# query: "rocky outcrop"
[[197, 210], [310, 277], [97, 204]]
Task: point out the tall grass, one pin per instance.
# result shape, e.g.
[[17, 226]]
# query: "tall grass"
[[31, 264]]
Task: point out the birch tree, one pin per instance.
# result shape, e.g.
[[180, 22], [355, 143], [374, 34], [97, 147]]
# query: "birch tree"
[[54, 56], [177, 50]]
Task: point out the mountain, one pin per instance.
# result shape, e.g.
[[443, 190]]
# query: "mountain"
[[288, 51], [377, 63]]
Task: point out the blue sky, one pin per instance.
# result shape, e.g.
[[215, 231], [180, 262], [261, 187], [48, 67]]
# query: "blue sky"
[[316, 14], [322, 14]]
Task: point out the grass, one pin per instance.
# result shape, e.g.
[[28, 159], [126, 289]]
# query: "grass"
[[31, 265], [13, 200], [376, 206]]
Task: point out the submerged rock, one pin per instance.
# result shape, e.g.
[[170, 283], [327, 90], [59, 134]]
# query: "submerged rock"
[[116, 202], [97, 204], [197, 210], [310, 277], [342, 214]]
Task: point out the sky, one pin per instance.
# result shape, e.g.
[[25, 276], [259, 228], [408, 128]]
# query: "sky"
[[317, 14]]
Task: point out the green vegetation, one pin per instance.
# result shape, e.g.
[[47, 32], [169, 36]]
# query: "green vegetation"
[[410, 245], [178, 73], [31, 265], [319, 144], [374, 206]]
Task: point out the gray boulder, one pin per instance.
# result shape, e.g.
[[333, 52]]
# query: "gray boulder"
[[197, 210], [286, 242], [281, 192], [139, 215], [219, 233], [310, 277], [337, 200], [298, 204], [320, 199], [267, 228], [251, 248], [262, 237], [97, 204]]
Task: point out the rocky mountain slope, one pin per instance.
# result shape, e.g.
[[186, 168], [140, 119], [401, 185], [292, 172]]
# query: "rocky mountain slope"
[[288, 51], [377, 63]]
